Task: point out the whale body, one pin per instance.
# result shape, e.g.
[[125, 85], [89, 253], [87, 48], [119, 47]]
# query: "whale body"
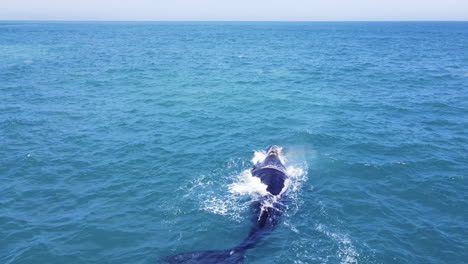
[[267, 212]]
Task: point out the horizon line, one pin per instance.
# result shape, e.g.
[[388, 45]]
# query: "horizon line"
[[118, 20]]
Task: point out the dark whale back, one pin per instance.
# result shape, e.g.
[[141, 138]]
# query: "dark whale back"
[[272, 173], [272, 177]]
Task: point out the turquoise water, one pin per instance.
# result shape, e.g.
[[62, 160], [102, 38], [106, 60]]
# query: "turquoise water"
[[126, 142]]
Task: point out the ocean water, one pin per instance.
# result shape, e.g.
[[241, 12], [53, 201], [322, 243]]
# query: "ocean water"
[[125, 142]]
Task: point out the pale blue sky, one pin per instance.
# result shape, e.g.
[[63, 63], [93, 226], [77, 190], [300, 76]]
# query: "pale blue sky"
[[228, 10]]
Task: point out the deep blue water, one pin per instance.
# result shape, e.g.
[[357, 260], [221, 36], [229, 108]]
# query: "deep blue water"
[[122, 142]]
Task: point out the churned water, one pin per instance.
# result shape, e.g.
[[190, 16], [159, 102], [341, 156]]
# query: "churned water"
[[126, 142]]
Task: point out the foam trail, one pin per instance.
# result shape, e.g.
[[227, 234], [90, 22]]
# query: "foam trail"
[[346, 252]]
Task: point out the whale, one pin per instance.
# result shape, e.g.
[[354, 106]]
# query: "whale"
[[266, 214]]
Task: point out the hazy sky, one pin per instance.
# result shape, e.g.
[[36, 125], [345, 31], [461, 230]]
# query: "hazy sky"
[[222, 10]]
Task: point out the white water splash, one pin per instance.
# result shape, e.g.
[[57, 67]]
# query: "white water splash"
[[248, 184], [243, 187], [259, 156]]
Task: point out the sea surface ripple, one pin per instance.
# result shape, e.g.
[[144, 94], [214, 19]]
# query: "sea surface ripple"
[[123, 142]]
